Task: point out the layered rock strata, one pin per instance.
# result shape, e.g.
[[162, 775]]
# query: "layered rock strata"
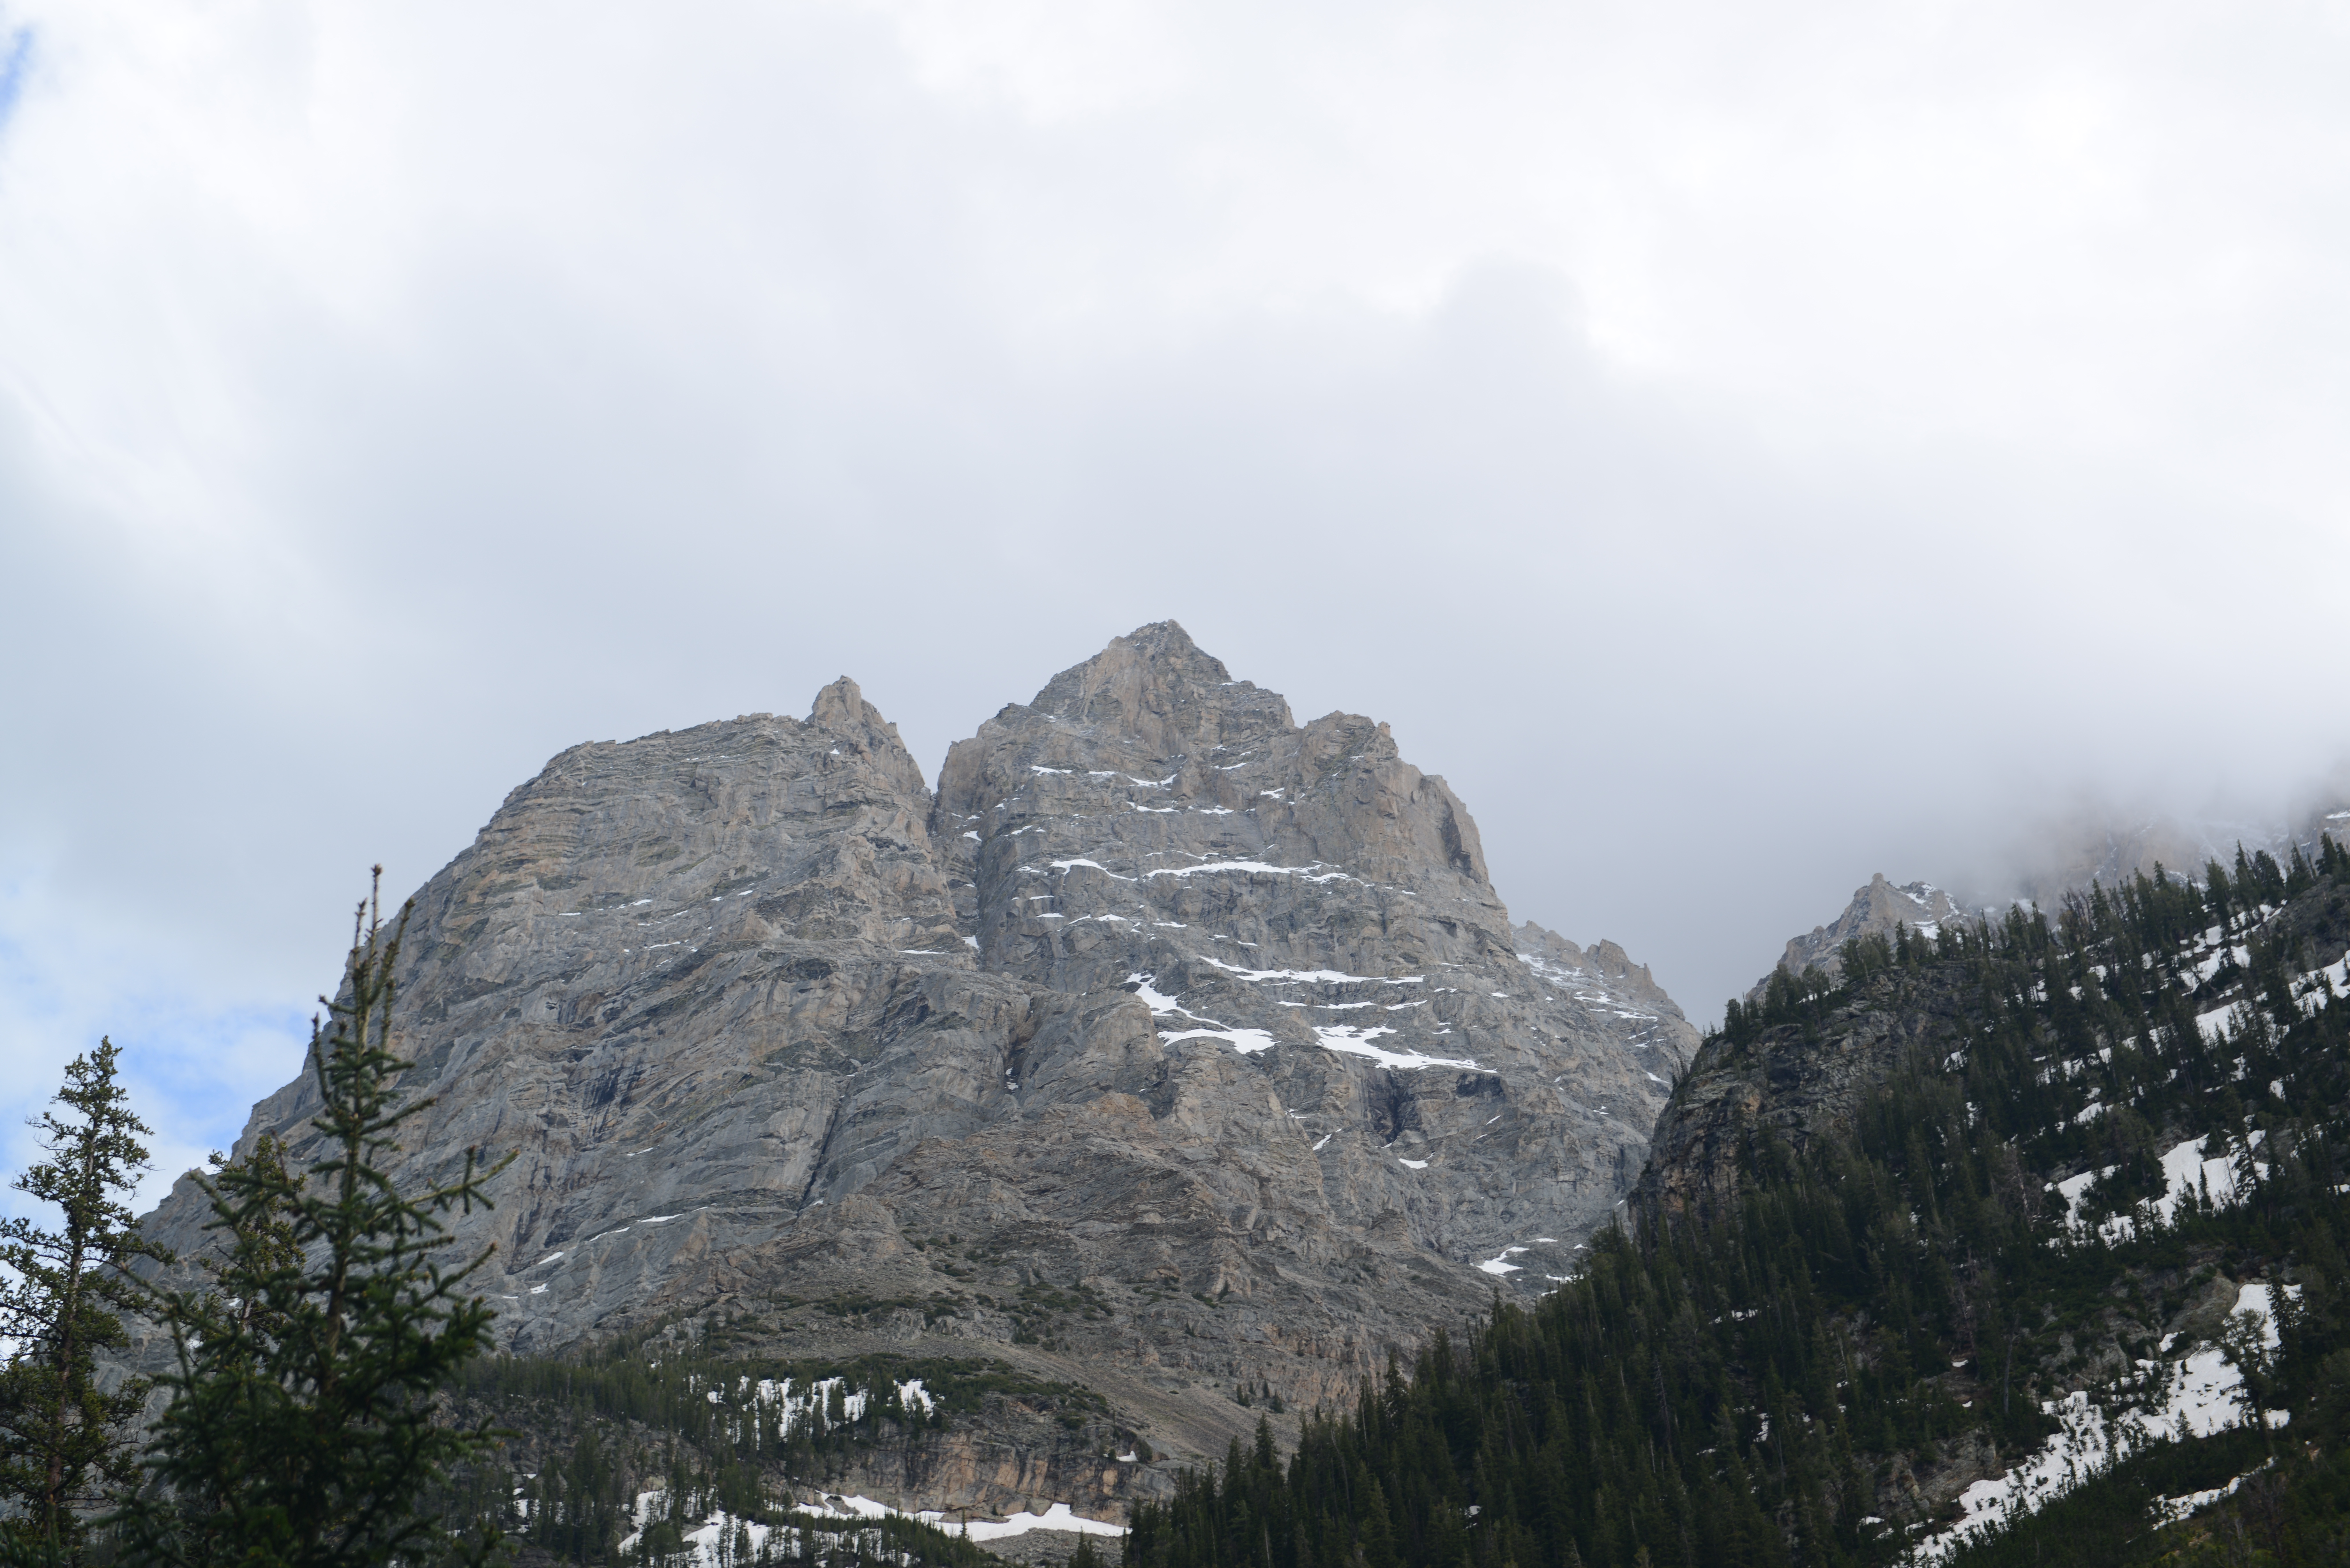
[[1172, 1047]]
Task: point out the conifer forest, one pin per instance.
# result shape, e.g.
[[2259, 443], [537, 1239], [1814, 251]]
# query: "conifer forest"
[[1746, 1385], [2083, 1233]]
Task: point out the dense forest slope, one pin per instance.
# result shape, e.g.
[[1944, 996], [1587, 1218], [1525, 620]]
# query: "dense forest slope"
[[1918, 1250]]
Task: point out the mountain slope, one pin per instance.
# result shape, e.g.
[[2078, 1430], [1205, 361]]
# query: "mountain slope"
[[1172, 1050], [1914, 1253], [1317, 911]]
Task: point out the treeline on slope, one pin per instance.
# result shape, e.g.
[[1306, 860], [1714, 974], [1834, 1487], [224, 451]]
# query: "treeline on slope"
[[325, 1402], [299, 1424], [1754, 1387], [638, 1415], [580, 1505]]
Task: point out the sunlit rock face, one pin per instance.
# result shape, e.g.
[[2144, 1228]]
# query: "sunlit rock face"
[[1171, 1045]]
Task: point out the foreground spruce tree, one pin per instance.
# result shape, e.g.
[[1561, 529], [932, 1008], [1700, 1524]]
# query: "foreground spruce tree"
[[63, 1445], [303, 1429]]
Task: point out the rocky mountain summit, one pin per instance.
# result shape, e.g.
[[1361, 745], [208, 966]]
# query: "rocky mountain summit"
[[1170, 1047], [1875, 911]]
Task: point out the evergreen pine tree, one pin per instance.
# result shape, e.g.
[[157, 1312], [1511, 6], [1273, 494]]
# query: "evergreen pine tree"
[[302, 1430], [63, 1447]]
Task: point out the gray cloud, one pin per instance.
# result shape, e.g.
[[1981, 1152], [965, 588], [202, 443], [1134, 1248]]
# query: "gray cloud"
[[1736, 473]]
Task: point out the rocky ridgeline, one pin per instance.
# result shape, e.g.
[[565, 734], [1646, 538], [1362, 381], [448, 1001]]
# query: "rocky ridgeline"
[[1170, 1046], [1875, 911], [1305, 914]]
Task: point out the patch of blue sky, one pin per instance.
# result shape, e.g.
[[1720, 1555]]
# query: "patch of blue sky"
[[193, 1064], [15, 62]]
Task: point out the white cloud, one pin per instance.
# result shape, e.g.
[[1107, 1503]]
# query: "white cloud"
[[1750, 448]]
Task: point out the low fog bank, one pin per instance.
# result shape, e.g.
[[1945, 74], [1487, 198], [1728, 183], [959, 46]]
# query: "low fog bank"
[[2037, 853], [2105, 841]]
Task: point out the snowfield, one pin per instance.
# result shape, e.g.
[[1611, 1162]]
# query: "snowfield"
[[2197, 1396]]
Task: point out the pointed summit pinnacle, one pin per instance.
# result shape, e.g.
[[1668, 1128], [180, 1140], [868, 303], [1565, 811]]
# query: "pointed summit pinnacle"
[[1156, 681], [842, 704], [1164, 640]]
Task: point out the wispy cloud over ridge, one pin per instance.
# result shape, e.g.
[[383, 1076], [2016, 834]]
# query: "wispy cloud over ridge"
[[1741, 450]]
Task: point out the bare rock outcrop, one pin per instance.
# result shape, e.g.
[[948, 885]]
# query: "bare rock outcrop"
[[1875, 911], [1308, 915], [1790, 1084], [1172, 1047]]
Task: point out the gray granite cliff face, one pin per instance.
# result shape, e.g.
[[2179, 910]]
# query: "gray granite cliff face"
[[1794, 1084], [1310, 913], [1171, 1045]]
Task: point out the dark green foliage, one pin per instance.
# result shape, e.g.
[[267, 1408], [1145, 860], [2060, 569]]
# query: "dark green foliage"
[[64, 1448], [302, 1429], [2111, 1520], [578, 1506], [1735, 1387], [672, 1393], [895, 1542], [2290, 1508], [639, 1415]]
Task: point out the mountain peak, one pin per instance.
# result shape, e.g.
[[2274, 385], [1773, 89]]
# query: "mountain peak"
[[1874, 910], [841, 703], [1164, 640], [1159, 993], [1158, 685]]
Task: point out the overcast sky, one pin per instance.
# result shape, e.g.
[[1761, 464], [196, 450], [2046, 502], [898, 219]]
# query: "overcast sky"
[[1741, 447]]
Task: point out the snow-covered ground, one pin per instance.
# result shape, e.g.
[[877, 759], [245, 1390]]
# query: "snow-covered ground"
[[1347, 1039], [2197, 1396], [719, 1539], [1247, 1042], [2174, 1508], [1056, 1516], [2187, 1174], [1355, 1039]]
